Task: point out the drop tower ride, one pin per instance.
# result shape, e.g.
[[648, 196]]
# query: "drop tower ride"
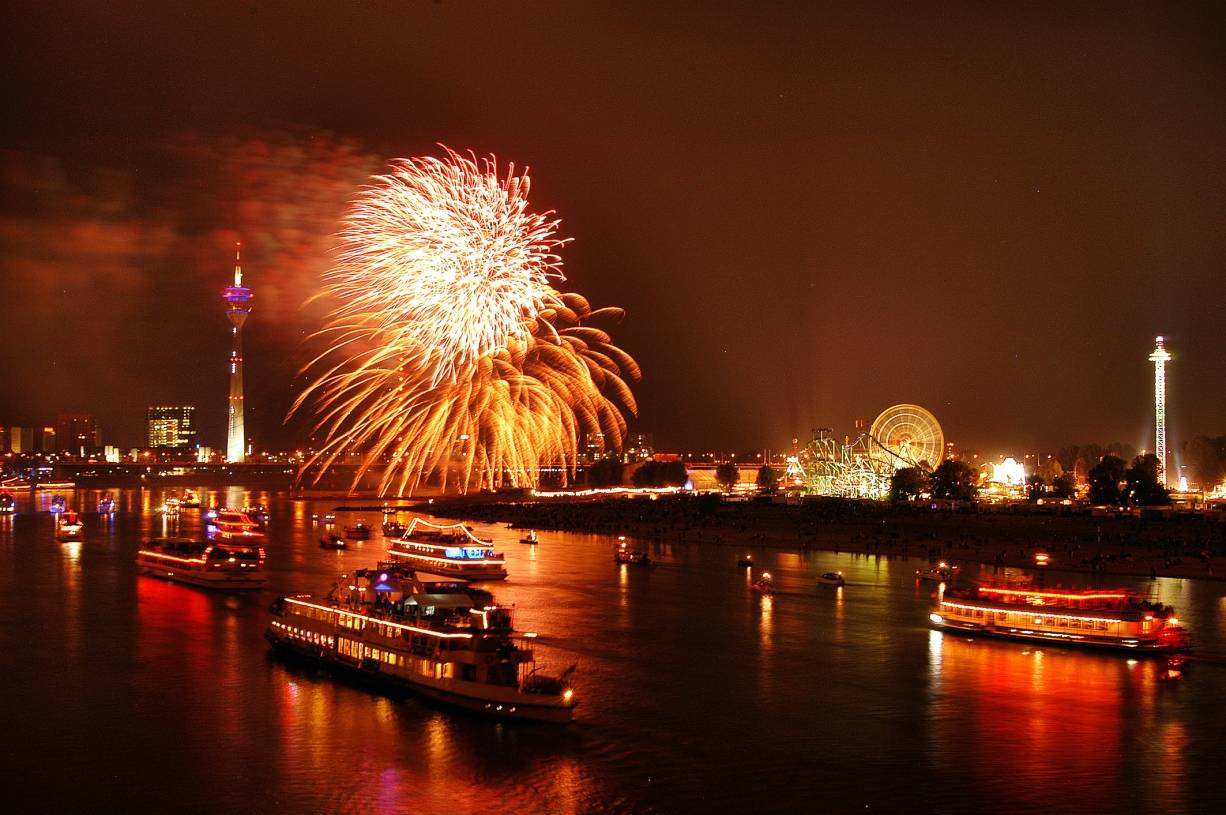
[[1160, 357], [238, 306]]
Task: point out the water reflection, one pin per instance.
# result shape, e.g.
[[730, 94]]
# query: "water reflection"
[[693, 688], [1050, 715]]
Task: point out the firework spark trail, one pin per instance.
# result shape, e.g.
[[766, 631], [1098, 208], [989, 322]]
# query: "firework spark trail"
[[449, 344], [445, 255]]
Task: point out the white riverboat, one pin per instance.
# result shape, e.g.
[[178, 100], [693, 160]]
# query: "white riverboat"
[[432, 634], [212, 564], [451, 550], [1101, 618], [231, 525]]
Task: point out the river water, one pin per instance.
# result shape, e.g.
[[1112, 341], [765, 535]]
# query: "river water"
[[126, 693]]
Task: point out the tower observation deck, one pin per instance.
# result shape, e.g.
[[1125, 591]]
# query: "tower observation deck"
[[238, 306], [1160, 357]]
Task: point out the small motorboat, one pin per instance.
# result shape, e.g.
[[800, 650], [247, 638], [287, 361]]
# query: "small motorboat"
[[764, 584], [358, 532], [8, 505], [106, 505], [940, 573], [530, 538], [632, 557], [257, 513], [189, 500], [393, 529], [70, 526], [332, 542], [745, 562], [59, 503], [831, 579], [329, 519]]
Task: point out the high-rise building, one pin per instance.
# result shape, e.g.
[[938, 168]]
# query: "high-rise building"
[[77, 434], [593, 447], [171, 425], [238, 307], [639, 447], [1160, 357]]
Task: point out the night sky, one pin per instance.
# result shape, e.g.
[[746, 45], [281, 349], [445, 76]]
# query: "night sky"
[[808, 213]]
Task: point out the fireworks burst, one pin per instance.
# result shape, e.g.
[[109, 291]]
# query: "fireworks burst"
[[450, 351]]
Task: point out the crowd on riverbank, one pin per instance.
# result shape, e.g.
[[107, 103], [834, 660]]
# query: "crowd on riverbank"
[[1175, 546]]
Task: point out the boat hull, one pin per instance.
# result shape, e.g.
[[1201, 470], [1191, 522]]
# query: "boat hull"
[[513, 707], [1138, 646]]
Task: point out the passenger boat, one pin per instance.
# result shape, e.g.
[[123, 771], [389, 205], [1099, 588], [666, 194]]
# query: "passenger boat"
[[764, 584], [189, 500], [69, 527], [212, 564], [632, 557], [393, 528], [1103, 618], [257, 513], [59, 503], [453, 551], [106, 505], [432, 634], [332, 542], [940, 573], [745, 562], [358, 532], [232, 525], [8, 504], [831, 579], [530, 538]]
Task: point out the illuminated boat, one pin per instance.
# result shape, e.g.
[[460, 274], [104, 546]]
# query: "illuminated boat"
[[189, 500], [69, 527], [453, 551], [332, 542], [393, 528], [530, 538], [831, 579], [745, 562], [940, 573], [257, 513], [59, 503], [358, 532], [431, 634], [232, 525], [1101, 618], [8, 505], [212, 564], [106, 505], [631, 557], [764, 584]]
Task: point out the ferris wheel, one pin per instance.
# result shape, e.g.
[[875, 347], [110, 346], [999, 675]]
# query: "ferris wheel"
[[907, 436]]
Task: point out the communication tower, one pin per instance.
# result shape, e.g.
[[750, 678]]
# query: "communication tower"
[[238, 306]]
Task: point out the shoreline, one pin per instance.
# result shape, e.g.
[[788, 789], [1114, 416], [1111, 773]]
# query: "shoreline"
[[1180, 548]]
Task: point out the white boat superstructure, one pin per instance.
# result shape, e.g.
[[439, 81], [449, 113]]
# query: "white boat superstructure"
[[451, 550]]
